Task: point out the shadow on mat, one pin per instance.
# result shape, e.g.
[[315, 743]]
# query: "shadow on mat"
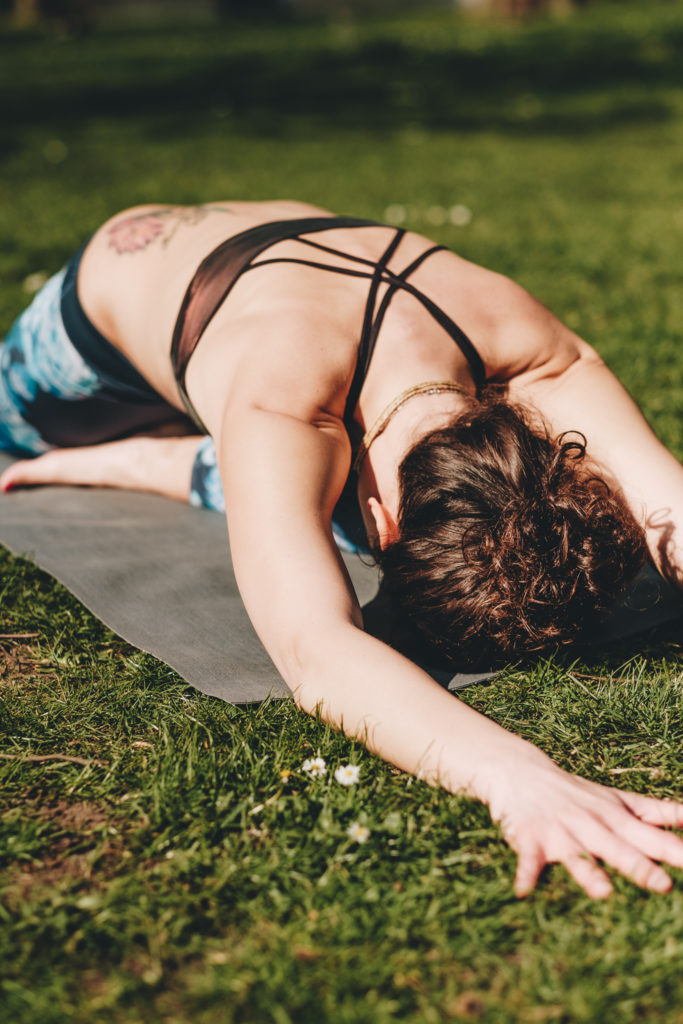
[[648, 620]]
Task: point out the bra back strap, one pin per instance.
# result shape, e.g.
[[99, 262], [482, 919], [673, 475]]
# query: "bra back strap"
[[367, 341], [218, 273]]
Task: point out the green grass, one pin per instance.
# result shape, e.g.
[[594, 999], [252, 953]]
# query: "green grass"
[[168, 874]]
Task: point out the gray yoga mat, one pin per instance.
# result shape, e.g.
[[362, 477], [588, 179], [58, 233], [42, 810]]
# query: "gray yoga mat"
[[159, 574]]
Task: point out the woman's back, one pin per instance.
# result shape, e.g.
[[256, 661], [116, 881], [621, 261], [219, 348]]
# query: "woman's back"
[[138, 266]]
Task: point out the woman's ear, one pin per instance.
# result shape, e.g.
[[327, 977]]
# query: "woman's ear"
[[385, 524]]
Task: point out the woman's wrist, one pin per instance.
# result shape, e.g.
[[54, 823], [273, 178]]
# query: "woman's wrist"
[[504, 768]]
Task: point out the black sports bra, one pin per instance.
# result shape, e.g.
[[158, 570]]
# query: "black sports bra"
[[218, 272]]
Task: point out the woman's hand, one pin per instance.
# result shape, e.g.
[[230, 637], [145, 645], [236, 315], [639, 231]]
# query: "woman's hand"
[[549, 816], [162, 465]]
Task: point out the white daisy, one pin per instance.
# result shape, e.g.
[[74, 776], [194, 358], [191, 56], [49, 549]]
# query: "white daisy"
[[359, 833], [347, 774], [315, 766]]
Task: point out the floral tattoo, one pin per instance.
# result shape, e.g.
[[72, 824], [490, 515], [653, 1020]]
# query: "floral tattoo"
[[138, 230]]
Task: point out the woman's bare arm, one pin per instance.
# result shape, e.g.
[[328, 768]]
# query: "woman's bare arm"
[[281, 478]]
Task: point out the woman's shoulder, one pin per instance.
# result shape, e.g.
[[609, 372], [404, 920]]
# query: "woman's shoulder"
[[530, 343], [513, 332]]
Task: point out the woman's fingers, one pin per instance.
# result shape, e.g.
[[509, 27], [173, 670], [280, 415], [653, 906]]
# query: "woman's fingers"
[[558, 818], [530, 863], [653, 811], [624, 843], [578, 862], [583, 868], [652, 841], [587, 873], [630, 861]]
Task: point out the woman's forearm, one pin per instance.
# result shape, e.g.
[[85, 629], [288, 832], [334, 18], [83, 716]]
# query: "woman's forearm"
[[378, 696]]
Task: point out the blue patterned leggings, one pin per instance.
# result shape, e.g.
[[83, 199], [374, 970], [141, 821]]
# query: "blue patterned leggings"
[[53, 393]]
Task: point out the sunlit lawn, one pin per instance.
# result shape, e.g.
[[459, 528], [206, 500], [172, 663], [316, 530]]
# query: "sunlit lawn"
[[167, 872]]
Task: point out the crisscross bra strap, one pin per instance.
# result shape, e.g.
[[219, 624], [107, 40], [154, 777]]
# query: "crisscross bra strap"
[[221, 269], [218, 273], [399, 282]]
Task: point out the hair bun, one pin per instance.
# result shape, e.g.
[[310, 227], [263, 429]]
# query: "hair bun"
[[507, 543]]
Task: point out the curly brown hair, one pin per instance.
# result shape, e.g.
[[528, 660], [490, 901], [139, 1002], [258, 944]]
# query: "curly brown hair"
[[509, 542]]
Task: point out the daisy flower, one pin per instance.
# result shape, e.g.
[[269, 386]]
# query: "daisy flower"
[[315, 766], [285, 775], [347, 774], [359, 833]]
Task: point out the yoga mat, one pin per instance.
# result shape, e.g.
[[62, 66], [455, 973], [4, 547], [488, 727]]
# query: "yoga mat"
[[159, 574]]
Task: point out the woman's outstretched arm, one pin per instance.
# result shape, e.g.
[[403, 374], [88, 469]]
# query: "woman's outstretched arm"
[[281, 477]]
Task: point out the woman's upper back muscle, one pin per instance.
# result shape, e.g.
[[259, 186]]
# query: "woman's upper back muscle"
[[291, 332]]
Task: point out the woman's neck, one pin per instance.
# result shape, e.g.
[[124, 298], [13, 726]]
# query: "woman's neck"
[[378, 472]]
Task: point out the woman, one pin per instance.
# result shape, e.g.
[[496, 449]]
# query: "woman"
[[300, 343]]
